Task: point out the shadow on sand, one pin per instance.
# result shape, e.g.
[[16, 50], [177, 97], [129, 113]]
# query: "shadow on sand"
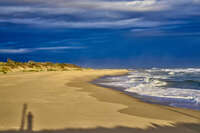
[[178, 128]]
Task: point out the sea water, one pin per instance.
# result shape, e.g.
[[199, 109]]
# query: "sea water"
[[173, 87]]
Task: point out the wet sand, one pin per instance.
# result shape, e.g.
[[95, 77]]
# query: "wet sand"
[[63, 100]]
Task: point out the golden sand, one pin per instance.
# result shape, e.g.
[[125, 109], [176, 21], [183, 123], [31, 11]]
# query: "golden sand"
[[67, 99]]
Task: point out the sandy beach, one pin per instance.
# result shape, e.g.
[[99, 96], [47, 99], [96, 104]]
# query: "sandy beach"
[[67, 100]]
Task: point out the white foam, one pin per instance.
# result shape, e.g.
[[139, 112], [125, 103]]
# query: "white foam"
[[168, 95], [171, 73], [177, 70], [148, 85]]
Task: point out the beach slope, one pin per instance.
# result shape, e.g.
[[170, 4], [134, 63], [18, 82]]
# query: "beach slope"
[[66, 101]]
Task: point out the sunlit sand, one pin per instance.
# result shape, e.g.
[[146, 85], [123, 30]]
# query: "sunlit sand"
[[60, 100]]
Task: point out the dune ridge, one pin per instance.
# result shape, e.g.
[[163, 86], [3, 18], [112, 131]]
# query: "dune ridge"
[[32, 66]]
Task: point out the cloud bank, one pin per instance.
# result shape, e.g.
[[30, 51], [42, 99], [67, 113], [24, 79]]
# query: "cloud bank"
[[118, 14], [29, 50]]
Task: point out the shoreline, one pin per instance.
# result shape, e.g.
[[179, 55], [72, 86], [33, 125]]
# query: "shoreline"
[[134, 95], [175, 109], [68, 100]]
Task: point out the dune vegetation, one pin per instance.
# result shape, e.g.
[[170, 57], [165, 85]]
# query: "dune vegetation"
[[31, 66]]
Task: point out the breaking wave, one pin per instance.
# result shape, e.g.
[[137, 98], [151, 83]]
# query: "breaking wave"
[[174, 87]]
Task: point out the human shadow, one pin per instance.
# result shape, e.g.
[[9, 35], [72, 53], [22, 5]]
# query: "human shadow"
[[177, 128], [23, 119], [27, 119], [30, 122]]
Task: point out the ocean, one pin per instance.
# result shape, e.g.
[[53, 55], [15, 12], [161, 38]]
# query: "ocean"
[[172, 87]]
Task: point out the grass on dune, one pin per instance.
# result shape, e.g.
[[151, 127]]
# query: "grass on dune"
[[31, 66]]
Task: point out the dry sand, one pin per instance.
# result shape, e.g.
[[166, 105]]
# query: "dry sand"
[[61, 100]]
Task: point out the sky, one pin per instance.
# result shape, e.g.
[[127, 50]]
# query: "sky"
[[102, 33]]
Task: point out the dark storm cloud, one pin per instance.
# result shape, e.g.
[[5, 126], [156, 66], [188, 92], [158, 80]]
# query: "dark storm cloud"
[[140, 15]]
